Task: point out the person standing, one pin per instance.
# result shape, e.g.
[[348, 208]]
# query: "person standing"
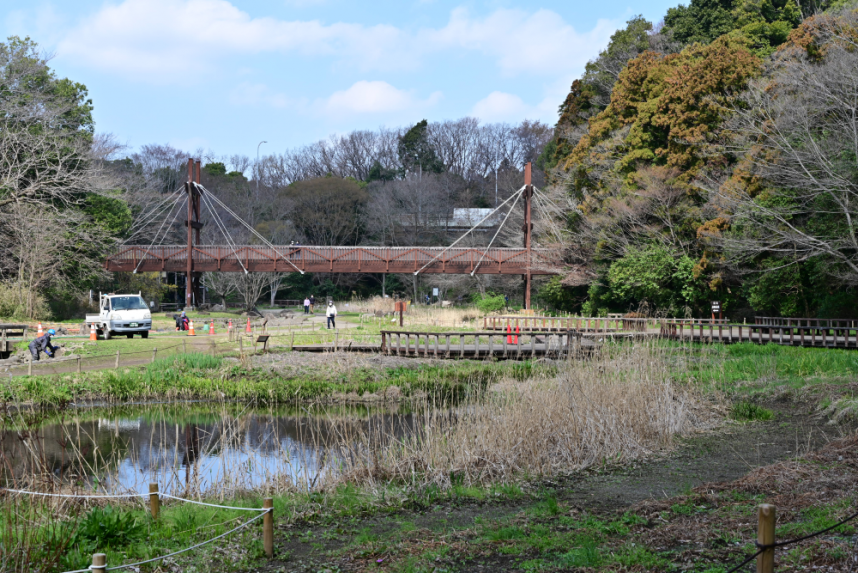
[[312, 303], [331, 313], [43, 344], [306, 306]]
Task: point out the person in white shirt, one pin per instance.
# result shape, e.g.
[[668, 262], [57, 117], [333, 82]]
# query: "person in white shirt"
[[331, 313], [306, 306]]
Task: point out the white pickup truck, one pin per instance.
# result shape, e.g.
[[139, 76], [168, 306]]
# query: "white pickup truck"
[[121, 314]]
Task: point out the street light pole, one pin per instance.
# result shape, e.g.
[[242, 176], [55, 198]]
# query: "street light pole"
[[257, 167], [496, 178]]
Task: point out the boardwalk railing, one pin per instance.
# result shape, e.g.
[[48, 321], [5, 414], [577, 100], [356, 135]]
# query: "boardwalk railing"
[[785, 331], [585, 324], [479, 344]]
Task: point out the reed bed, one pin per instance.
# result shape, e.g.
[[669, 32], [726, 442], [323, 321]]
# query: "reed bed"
[[621, 406]]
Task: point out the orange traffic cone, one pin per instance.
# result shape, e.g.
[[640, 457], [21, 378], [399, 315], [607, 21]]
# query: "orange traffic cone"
[[230, 325], [40, 331], [508, 334], [247, 330], [211, 328], [517, 331], [191, 329], [93, 335]]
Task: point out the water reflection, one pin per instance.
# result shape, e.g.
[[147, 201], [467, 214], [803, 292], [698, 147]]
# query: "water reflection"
[[190, 448]]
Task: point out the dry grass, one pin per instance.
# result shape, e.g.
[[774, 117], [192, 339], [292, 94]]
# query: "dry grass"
[[419, 314], [619, 407]]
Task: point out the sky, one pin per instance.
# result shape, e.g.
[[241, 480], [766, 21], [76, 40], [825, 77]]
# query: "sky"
[[224, 75]]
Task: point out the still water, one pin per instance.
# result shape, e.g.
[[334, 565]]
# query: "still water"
[[192, 448]]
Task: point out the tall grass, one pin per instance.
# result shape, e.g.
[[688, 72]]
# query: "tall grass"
[[619, 407]]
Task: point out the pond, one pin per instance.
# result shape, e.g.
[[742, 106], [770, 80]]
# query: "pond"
[[192, 448]]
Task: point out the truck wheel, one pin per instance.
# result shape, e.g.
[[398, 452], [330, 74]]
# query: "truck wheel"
[[107, 334], [130, 335], [144, 334]]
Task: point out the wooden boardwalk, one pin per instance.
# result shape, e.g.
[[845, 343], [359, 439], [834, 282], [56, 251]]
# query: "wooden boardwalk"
[[470, 345], [788, 334]]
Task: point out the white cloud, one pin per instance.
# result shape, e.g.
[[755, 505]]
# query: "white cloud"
[[169, 39], [500, 106], [376, 97], [173, 40], [538, 43]]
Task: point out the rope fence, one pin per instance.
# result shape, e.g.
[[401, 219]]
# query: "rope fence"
[[99, 560], [766, 544]]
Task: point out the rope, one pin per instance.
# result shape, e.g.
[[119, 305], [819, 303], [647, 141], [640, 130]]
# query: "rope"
[[468, 232], [497, 232], [762, 547], [198, 545], [110, 496], [808, 536], [212, 504], [251, 229], [745, 562]]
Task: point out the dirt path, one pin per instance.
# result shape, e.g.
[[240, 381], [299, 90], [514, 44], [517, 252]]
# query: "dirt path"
[[725, 455]]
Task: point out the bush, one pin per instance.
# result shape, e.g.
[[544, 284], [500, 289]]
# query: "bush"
[[490, 302], [16, 298]]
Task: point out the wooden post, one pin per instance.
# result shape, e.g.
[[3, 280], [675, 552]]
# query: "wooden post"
[[99, 563], [154, 354], [268, 527], [447, 355], [766, 536], [185, 346], [154, 500], [30, 366], [78, 365], [117, 360], [292, 341], [336, 339], [241, 346]]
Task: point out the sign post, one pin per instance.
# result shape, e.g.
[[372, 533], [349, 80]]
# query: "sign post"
[[716, 307]]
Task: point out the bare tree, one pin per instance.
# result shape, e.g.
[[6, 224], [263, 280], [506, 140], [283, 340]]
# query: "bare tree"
[[794, 195]]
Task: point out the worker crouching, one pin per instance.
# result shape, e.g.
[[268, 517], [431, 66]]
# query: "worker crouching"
[[43, 344]]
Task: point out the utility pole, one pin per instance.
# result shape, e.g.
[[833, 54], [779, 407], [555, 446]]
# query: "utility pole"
[[496, 178], [528, 232], [258, 169]]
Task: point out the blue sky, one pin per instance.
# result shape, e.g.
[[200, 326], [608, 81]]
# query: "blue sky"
[[223, 75]]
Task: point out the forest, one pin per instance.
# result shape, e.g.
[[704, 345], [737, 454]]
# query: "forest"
[[712, 155]]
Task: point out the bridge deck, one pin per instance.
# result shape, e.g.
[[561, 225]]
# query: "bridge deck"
[[210, 258]]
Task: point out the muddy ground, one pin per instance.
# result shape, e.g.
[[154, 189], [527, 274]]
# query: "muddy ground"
[[377, 542]]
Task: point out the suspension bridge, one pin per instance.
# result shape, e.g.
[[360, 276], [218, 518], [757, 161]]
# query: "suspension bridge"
[[194, 258]]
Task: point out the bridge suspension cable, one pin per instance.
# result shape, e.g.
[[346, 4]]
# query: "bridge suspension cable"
[[251, 229], [167, 230], [468, 232], [140, 225], [512, 207], [222, 228]]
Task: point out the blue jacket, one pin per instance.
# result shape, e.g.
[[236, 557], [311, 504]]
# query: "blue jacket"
[[42, 343]]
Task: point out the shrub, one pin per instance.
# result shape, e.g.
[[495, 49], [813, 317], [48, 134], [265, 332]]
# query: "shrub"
[[490, 302]]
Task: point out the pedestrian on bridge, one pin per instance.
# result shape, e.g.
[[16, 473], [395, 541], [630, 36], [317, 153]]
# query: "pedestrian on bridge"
[[306, 306], [331, 313]]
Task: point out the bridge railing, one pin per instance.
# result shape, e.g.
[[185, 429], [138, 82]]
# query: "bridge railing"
[[332, 259]]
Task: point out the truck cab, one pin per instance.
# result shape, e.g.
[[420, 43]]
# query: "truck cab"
[[125, 314]]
